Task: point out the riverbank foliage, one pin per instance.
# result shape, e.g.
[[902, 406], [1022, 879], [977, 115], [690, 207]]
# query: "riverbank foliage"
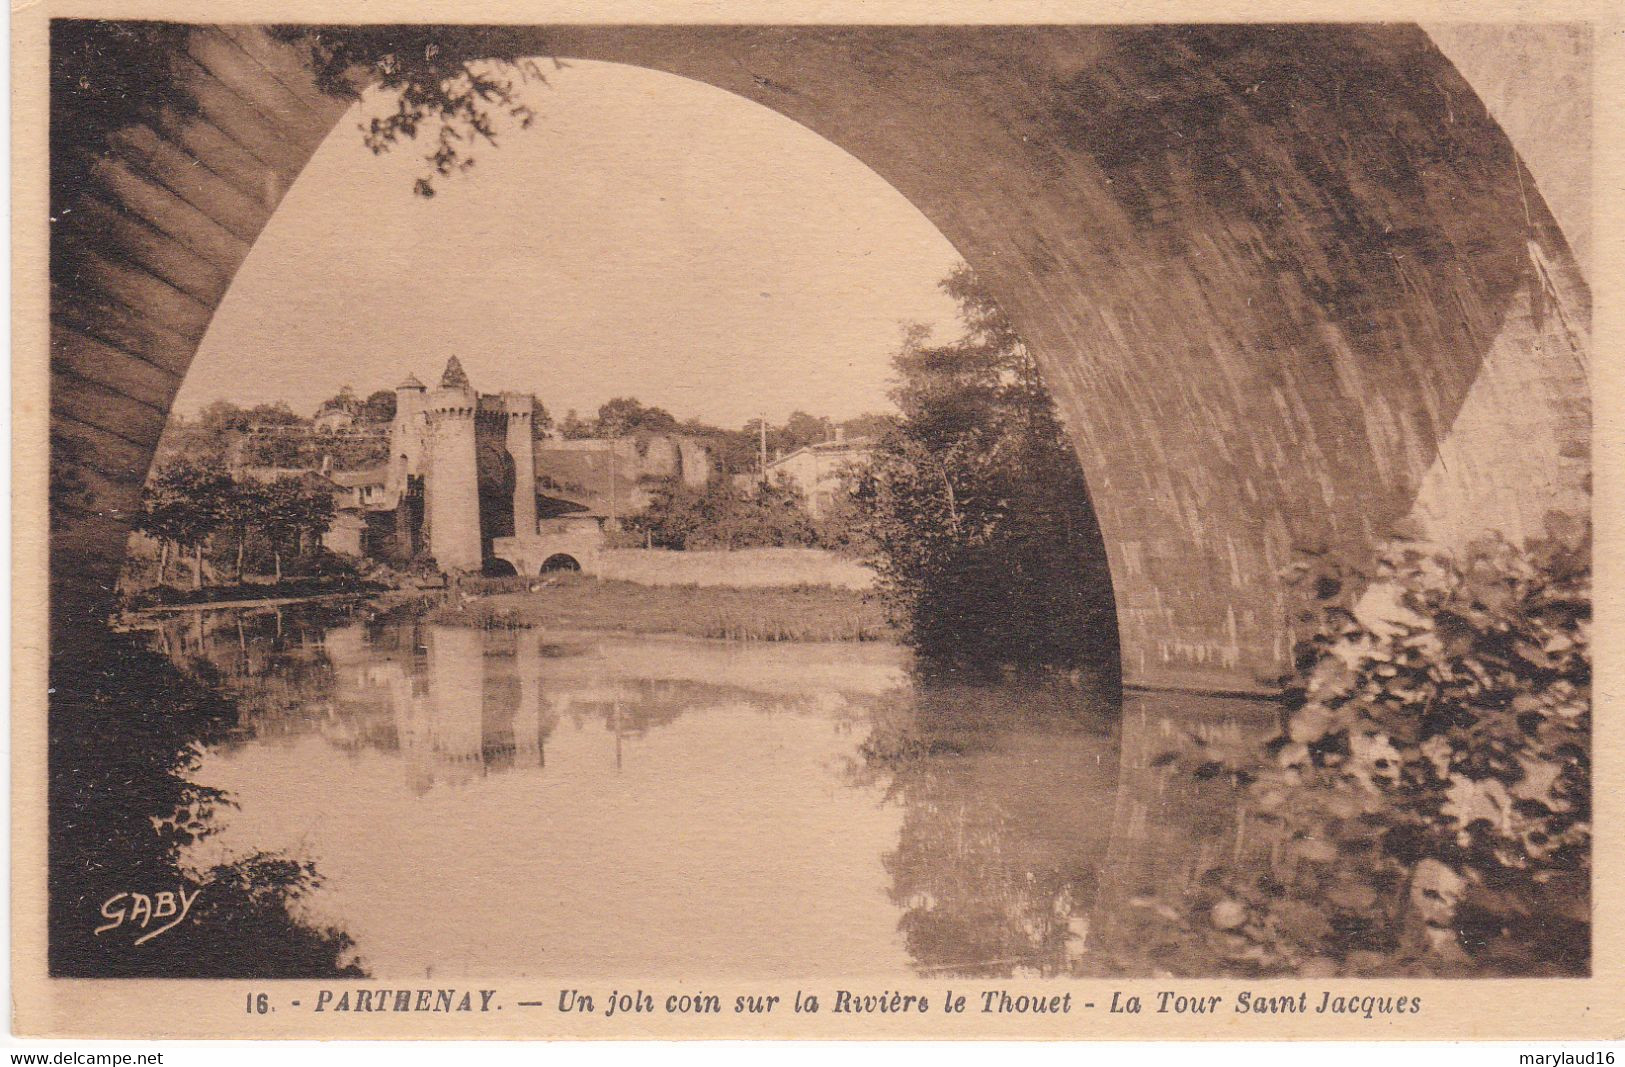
[[1428, 800], [239, 522], [986, 543], [126, 729], [792, 613], [293, 588], [724, 516]]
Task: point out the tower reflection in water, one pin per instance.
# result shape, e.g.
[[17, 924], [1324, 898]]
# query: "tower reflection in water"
[[1009, 829], [466, 702]]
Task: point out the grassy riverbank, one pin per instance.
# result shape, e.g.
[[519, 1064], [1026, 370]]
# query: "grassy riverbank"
[[169, 596], [799, 613]]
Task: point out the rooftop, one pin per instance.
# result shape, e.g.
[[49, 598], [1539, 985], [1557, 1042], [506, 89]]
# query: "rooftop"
[[454, 376], [351, 479]]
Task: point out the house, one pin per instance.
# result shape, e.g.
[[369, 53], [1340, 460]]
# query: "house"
[[822, 471]]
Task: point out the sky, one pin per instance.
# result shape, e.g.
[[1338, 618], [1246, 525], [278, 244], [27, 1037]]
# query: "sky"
[[648, 236]]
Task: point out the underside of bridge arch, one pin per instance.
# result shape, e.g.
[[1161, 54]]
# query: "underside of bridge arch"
[[1290, 285]]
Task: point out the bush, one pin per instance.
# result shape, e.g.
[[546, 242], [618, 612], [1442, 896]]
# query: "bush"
[[772, 515], [1431, 786], [322, 562], [127, 730]]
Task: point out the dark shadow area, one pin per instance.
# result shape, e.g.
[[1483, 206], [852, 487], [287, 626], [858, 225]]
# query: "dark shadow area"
[[124, 726]]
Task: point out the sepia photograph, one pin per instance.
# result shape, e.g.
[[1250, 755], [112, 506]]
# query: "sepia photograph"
[[564, 516]]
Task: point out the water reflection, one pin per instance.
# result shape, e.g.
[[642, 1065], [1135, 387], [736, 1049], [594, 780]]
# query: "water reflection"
[[1005, 795], [126, 732], [456, 702], [593, 805]]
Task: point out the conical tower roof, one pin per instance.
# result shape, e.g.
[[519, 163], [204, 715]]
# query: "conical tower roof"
[[410, 383], [454, 377]]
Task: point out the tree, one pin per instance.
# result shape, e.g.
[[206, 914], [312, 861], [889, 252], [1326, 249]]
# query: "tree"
[[182, 506], [575, 428], [379, 407], [987, 545], [316, 509], [624, 416], [802, 429], [294, 507], [279, 516], [540, 420], [243, 509]]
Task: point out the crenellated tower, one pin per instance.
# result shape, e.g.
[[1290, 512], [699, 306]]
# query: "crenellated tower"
[[404, 481], [452, 472], [406, 439], [463, 472]]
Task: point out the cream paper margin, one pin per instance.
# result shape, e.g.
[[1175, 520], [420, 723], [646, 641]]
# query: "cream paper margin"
[[1453, 1009]]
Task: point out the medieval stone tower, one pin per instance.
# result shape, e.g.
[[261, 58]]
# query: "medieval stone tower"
[[451, 482], [404, 481], [522, 449], [462, 469]]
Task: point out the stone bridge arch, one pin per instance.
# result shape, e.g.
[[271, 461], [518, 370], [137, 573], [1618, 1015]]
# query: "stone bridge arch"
[[529, 555], [1290, 285]]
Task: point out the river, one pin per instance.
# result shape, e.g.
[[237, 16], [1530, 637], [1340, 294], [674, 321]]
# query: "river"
[[535, 803]]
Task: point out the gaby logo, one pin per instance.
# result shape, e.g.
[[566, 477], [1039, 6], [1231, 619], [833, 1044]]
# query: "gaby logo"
[[142, 910]]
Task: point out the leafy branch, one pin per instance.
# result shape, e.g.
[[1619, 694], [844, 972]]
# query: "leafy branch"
[[460, 84]]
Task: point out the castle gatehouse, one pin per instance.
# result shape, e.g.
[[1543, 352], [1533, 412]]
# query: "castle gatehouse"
[[471, 483]]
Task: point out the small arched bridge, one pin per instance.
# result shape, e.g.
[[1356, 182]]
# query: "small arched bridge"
[[548, 550], [1291, 285]]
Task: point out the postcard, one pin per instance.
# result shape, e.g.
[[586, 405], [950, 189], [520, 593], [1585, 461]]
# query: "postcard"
[[931, 521]]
